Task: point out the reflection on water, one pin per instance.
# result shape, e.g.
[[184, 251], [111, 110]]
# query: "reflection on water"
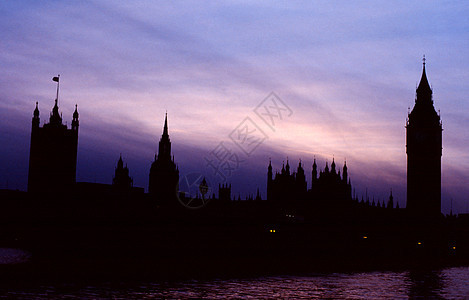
[[449, 283], [10, 256], [428, 284]]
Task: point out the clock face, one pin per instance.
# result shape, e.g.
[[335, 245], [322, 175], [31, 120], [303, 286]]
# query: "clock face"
[[421, 137], [426, 138]]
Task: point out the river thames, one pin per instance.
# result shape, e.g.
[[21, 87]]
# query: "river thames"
[[448, 283]]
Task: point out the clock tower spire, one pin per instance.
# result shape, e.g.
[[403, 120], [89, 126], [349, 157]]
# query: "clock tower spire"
[[424, 150]]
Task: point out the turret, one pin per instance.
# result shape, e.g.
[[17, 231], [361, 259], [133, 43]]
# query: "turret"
[[345, 173], [55, 118], [258, 195], [301, 184], [300, 170], [75, 122], [36, 119], [121, 179], [269, 171], [269, 181], [315, 171], [120, 163], [391, 201]]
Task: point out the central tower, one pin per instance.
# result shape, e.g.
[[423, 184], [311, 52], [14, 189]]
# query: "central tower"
[[424, 150], [164, 174]]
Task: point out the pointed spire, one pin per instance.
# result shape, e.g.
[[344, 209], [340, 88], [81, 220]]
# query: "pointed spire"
[[75, 122], [345, 172], [423, 88], [55, 118], [391, 200], [165, 129], [120, 162], [314, 172], [36, 110], [35, 121], [75, 113], [56, 106], [164, 148]]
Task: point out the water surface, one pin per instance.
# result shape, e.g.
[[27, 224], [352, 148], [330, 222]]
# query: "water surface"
[[447, 283]]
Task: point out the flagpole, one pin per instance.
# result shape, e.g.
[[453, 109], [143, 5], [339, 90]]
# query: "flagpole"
[[58, 82]]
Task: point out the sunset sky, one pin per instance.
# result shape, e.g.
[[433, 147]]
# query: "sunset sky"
[[347, 71]]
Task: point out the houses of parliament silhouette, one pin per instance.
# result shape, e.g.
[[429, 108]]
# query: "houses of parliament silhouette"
[[299, 226], [53, 157]]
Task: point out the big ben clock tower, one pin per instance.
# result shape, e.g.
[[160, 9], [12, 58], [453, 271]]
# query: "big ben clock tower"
[[424, 150]]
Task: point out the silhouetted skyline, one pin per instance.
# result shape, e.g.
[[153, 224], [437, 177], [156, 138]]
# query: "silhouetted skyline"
[[347, 77]]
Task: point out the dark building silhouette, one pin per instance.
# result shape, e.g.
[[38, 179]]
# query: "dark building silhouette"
[[286, 186], [224, 192], [121, 179], [107, 195], [258, 195], [424, 150], [164, 174], [331, 184], [53, 153]]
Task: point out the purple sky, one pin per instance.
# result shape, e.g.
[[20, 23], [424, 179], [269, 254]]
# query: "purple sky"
[[348, 72]]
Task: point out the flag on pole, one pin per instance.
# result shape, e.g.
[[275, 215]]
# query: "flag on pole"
[[56, 79]]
